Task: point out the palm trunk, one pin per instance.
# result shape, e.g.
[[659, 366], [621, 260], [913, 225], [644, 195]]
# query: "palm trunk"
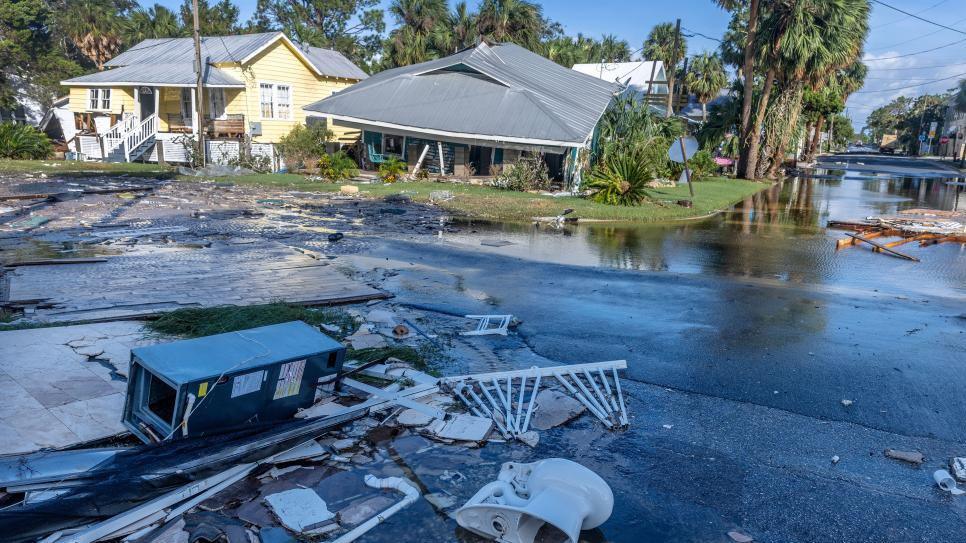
[[816, 138], [748, 71], [670, 95], [808, 141], [704, 112], [753, 143], [792, 104]]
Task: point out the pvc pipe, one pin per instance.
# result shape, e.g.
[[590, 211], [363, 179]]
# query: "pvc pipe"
[[395, 483]]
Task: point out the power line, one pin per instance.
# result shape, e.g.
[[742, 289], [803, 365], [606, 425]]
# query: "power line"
[[914, 16], [917, 38], [918, 12], [916, 53], [700, 35], [874, 69], [913, 86]]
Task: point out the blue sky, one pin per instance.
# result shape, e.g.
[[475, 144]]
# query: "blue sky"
[[893, 35]]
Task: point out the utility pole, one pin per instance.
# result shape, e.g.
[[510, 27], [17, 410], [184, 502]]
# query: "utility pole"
[[199, 93], [670, 90]]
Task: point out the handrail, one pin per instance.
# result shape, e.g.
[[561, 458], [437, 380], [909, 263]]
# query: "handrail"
[[123, 126], [140, 134]]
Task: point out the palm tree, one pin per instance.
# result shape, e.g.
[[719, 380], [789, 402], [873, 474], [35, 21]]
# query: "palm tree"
[[612, 49], [839, 86], [705, 79], [421, 34], [517, 21], [95, 27], [748, 73], [154, 22], [664, 44], [810, 40], [462, 25]]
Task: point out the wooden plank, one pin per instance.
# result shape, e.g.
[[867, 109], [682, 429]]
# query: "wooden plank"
[[883, 247]]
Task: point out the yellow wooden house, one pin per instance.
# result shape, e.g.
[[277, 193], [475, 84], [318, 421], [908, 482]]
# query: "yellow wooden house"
[[255, 87]]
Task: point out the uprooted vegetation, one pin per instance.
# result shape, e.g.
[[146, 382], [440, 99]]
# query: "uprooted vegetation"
[[198, 322]]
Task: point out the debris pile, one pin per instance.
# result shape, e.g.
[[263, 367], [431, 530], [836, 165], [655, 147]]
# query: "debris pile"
[[925, 228]]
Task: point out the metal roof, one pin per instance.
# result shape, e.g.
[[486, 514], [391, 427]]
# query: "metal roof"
[[172, 75], [502, 91], [331, 62], [193, 359], [231, 49]]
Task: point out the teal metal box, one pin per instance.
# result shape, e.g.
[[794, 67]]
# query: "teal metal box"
[[212, 384]]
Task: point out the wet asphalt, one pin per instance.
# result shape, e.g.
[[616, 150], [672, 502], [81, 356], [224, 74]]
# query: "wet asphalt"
[[736, 387]]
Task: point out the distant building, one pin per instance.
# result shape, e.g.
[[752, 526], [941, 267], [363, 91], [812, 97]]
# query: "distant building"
[[954, 130], [642, 76]]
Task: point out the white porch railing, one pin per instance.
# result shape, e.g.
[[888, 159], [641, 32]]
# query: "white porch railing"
[[125, 125], [140, 134]]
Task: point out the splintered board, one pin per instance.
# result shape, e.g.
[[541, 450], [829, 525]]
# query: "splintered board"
[[150, 281]]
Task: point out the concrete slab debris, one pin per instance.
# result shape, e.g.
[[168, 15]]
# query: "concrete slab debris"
[[554, 408], [414, 418], [300, 510], [462, 428], [958, 467]]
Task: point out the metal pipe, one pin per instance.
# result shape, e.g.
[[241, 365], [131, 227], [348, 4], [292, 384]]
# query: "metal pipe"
[[506, 405], [519, 417], [496, 408]]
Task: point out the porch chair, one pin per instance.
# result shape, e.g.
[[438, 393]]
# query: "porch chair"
[[374, 157]]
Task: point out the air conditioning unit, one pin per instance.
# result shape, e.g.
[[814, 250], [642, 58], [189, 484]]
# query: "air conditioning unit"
[[218, 383]]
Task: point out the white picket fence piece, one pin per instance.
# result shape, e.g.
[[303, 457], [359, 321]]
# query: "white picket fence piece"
[[493, 394], [486, 327]]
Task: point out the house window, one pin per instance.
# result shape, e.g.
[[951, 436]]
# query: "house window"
[[392, 145], [276, 101], [99, 99], [216, 103], [186, 105]]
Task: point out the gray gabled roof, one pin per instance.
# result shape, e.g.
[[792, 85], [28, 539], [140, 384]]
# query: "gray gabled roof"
[[171, 75], [500, 91], [219, 49]]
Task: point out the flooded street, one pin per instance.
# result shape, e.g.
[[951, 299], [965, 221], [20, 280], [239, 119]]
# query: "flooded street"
[[780, 233], [756, 353]]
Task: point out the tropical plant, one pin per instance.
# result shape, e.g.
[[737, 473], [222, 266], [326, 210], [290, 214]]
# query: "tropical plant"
[[304, 144], [529, 172], [621, 180], [665, 44], [702, 165], [517, 21], [747, 35], [94, 27], [220, 19], [462, 26], [156, 21], [629, 124], [23, 142], [392, 170], [705, 79], [422, 33], [337, 166]]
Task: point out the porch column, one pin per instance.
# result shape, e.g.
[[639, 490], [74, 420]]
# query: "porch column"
[[194, 112]]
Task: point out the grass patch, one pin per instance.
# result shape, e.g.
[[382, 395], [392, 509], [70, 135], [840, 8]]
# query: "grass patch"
[[72, 168], [711, 195], [198, 322], [419, 359]]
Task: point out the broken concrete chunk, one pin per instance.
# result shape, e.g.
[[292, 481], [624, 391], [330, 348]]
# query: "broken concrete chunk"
[[367, 341], [344, 444], [349, 189], [529, 438], [463, 428], [913, 457], [300, 509], [554, 408], [958, 467], [381, 316], [414, 418], [739, 537]]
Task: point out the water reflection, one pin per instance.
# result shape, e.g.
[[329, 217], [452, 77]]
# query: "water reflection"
[[779, 233]]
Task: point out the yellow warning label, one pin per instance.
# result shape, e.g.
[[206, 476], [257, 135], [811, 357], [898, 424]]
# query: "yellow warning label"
[[203, 389]]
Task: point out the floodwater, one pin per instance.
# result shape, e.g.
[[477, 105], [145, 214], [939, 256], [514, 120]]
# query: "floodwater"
[[779, 234]]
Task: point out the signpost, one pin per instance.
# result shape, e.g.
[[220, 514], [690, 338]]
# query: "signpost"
[[680, 152]]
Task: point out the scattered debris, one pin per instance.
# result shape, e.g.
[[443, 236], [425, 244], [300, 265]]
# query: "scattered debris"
[[923, 229], [739, 537], [302, 511], [847, 403], [349, 189], [835, 459], [946, 482], [395, 483], [495, 242], [555, 408], [912, 457], [489, 324], [462, 428], [440, 196], [336, 236], [958, 467], [524, 497]]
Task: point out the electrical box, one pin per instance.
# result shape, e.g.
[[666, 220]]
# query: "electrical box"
[[212, 384], [255, 129]]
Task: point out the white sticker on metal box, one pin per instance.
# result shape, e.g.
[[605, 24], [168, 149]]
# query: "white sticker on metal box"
[[289, 379], [246, 384]]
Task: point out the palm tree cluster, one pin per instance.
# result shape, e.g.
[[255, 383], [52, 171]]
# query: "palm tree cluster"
[[788, 47], [428, 29]]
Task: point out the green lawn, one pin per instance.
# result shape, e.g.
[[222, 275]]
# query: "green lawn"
[[81, 169], [711, 195]]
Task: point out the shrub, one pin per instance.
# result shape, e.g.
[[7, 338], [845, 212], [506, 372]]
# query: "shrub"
[[702, 164], [304, 144], [337, 166], [392, 170], [22, 142], [621, 180], [528, 173]]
